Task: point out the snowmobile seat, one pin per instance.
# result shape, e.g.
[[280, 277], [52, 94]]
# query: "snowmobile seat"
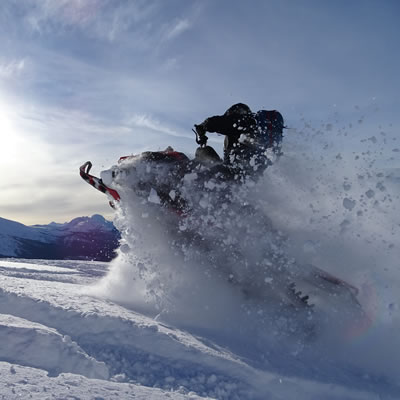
[[207, 156]]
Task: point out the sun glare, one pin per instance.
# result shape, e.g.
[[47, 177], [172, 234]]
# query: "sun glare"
[[10, 139]]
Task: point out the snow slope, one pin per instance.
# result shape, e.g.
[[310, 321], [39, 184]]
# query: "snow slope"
[[62, 342], [9, 230]]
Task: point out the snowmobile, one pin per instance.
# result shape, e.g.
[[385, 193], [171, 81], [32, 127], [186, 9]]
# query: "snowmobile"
[[156, 177], [158, 174]]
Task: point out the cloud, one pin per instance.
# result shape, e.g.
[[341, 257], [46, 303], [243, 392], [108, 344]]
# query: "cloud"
[[35, 204], [41, 14], [144, 25], [103, 19], [170, 64], [146, 121], [177, 29], [126, 17], [9, 69]]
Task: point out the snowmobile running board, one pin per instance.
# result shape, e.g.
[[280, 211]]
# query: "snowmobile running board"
[[97, 183]]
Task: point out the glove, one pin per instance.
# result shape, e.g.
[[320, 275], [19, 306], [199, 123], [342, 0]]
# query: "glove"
[[201, 133]]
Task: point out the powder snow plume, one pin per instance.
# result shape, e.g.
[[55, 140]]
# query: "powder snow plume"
[[224, 269]]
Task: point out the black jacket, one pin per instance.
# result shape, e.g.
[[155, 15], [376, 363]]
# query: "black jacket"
[[232, 125], [261, 130]]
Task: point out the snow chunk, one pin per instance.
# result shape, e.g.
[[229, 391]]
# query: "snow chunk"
[[344, 225], [106, 177], [188, 178], [380, 186], [210, 185], [204, 203], [346, 186], [153, 197], [370, 193], [348, 204], [172, 195]]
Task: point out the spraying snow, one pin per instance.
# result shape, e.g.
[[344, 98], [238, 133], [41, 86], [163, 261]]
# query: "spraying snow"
[[232, 267]]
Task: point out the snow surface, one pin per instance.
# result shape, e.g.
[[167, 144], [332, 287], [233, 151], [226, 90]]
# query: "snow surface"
[[58, 342], [193, 307]]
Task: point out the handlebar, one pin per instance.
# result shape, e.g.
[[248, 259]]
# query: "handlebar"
[[200, 142]]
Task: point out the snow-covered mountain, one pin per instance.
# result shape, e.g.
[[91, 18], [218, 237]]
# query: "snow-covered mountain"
[[82, 238]]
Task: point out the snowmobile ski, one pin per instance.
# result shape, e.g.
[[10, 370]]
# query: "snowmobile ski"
[[97, 183]]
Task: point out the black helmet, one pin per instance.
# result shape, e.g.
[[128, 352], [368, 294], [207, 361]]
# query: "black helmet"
[[239, 108]]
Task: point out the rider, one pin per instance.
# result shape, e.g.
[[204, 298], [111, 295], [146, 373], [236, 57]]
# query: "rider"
[[247, 136]]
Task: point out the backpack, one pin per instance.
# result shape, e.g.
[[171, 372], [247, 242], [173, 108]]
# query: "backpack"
[[270, 124]]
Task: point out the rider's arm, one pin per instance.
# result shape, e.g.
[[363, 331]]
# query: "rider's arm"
[[225, 125]]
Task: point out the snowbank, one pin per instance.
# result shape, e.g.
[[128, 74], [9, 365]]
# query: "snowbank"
[[36, 345]]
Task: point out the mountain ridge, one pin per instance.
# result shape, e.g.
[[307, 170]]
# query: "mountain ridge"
[[93, 238]]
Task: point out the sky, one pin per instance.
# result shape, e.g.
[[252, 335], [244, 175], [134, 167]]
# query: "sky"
[[97, 79]]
